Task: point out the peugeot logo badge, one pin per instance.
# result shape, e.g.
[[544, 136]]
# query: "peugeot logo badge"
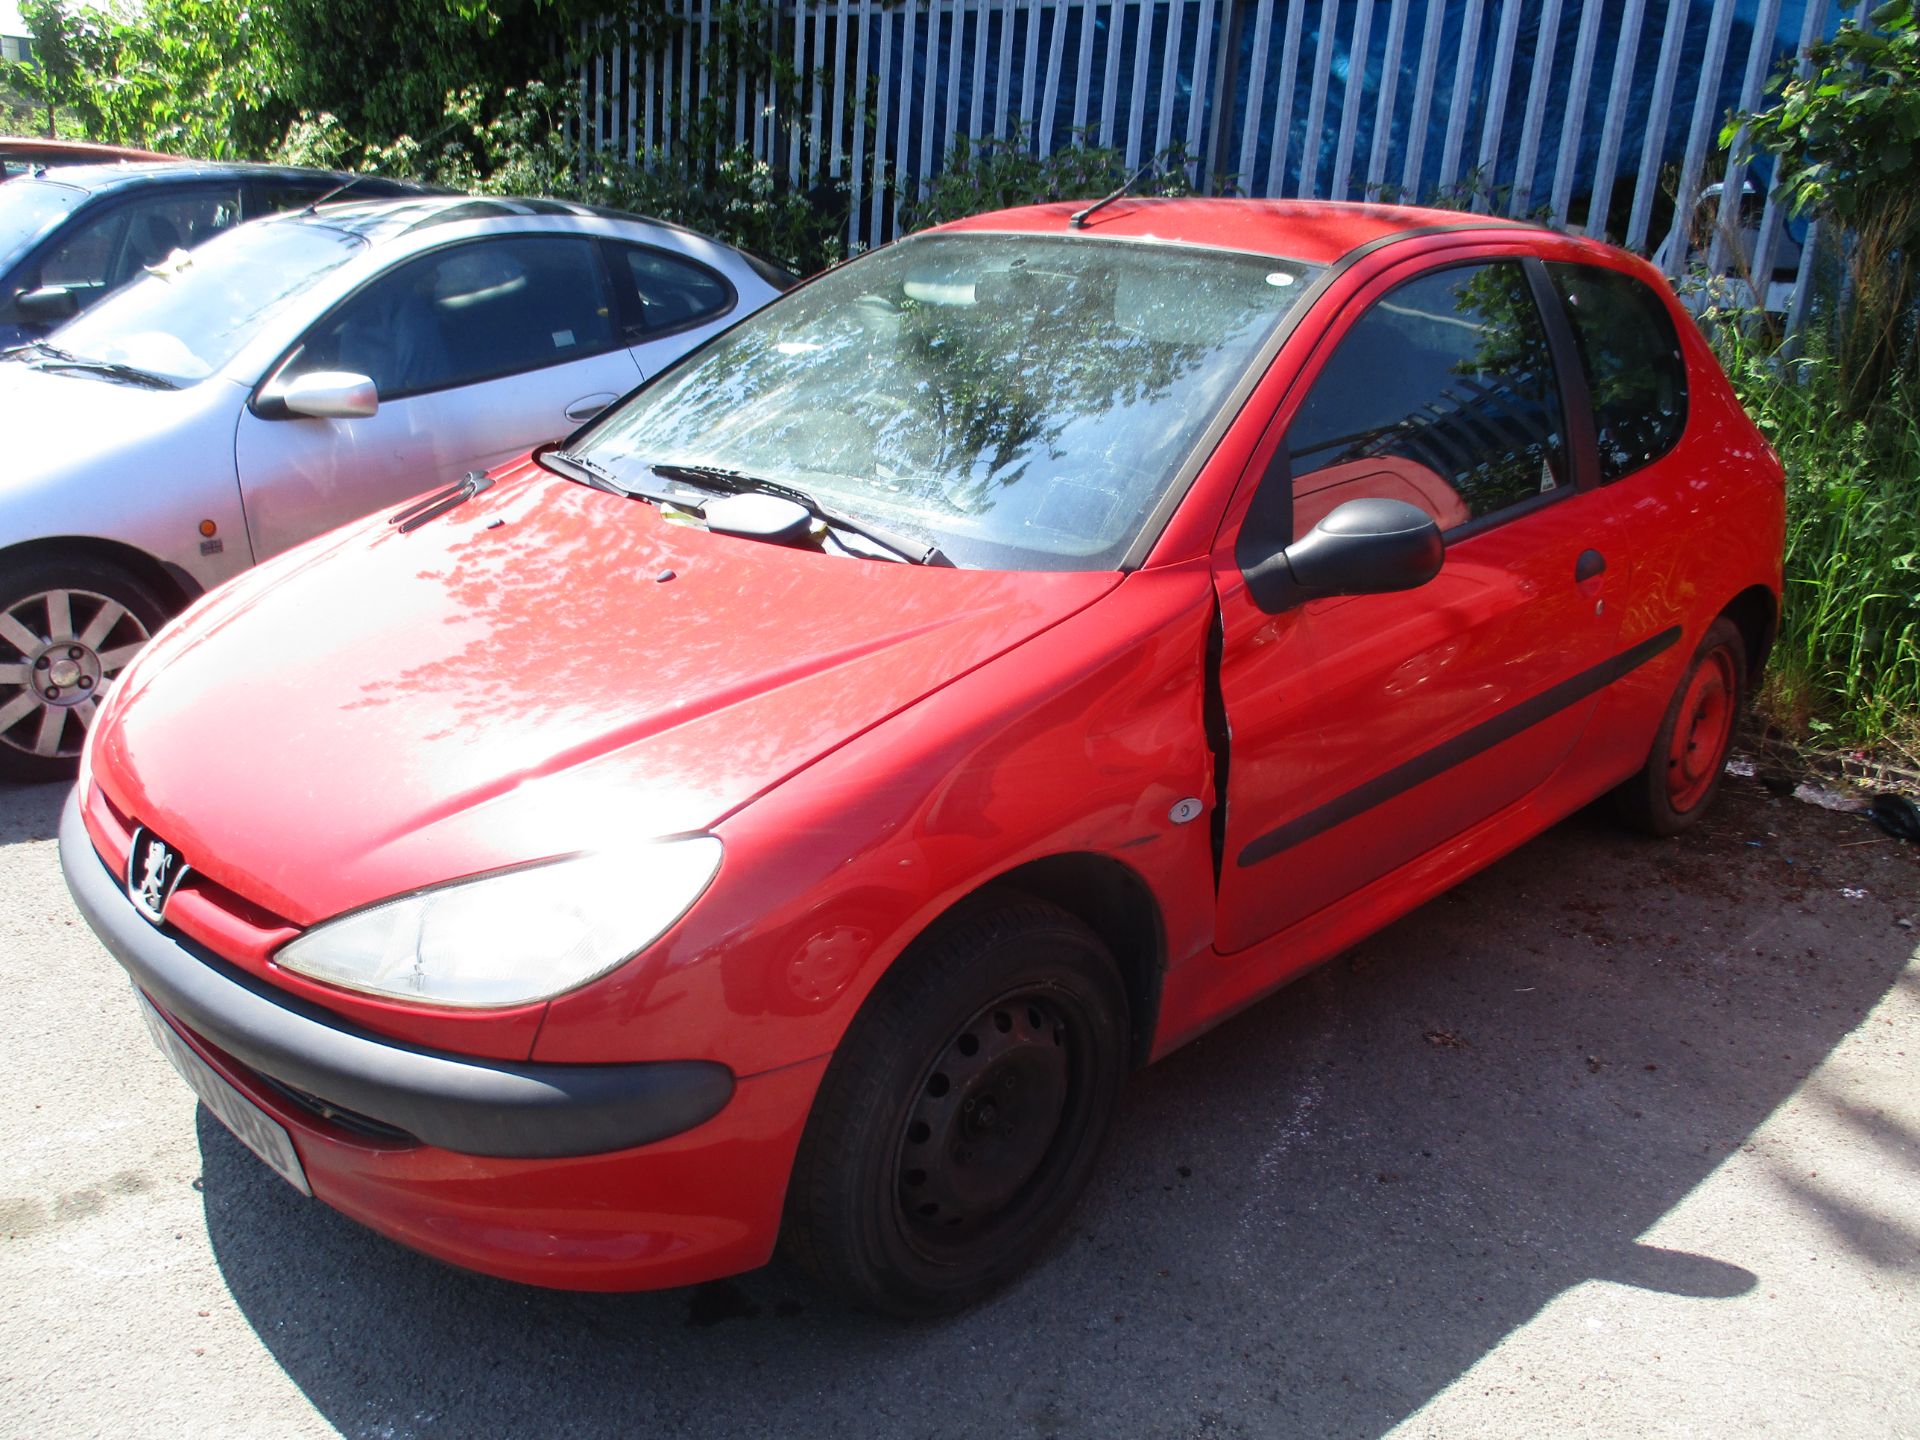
[[154, 872]]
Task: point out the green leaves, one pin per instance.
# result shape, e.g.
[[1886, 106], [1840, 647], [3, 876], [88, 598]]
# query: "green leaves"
[[191, 76], [1846, 135], [1844, 131], [991, 174]]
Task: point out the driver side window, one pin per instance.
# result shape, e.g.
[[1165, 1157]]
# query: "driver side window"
[[466, 314], [107, 252], [1443, 394]]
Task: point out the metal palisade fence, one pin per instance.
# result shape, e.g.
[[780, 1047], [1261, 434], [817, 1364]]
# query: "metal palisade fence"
[[1585, 113]]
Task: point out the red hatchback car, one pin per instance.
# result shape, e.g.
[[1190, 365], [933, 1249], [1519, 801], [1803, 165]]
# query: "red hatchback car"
[[783, 813]]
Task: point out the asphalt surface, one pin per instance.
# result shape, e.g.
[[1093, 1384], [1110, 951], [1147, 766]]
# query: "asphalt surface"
[[1620, 1138]]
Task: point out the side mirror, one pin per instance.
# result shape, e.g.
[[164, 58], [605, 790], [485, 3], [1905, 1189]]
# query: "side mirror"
[[49, 304], [1364, 547], [324, 395]]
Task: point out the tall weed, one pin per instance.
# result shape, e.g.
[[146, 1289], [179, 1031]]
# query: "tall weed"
[[1847, 664]]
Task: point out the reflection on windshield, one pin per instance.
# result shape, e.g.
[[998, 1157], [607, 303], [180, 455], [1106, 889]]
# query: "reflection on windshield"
[[28, 209], [184, 322], [1024, 401]]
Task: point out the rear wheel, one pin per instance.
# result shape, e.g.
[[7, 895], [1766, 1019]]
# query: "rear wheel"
[[67, 628], [1682, 773], [961, 1116]]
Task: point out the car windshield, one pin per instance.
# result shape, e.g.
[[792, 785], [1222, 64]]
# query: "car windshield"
[[29, 209], [1022, 401], [190, 316]]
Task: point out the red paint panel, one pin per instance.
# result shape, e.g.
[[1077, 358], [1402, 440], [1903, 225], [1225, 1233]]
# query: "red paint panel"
[[1318, 232], [676, 1212], [873, 743], [1080, 742]]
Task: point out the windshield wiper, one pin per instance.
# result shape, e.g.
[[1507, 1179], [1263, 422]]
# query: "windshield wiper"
[[574, 467], [439, 503], [713, 477], [50, 357]]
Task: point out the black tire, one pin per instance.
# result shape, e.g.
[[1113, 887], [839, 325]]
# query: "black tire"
[[109, 615], [960, 1118], [1685, 767]]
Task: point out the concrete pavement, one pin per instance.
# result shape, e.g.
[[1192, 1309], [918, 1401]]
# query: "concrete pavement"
[[1620, 1138]]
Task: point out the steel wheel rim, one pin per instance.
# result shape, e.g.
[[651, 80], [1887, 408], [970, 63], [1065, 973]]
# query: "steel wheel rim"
[[981, 1142], [1701, 731], [60, 649]]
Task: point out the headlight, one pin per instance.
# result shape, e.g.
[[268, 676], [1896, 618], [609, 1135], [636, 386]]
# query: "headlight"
[[514, 936]]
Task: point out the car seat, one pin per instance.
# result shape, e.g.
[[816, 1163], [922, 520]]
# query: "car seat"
[[151, 239]]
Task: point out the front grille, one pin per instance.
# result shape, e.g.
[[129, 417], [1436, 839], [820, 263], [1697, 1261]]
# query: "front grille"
[[349, 1120]]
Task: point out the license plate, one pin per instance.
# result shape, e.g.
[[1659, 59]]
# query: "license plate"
[[251, 1125]]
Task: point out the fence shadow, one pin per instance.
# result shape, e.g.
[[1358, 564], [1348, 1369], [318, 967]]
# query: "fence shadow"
[[1310, 1222]]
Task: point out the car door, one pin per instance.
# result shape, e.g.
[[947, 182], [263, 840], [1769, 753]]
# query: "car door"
[[1367, 731], [477, 351], [669, 303]]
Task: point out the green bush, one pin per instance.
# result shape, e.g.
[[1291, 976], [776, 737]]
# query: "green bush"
[[990, 174], [1846, 668], [521, 148], [196, 77], [1847, 137]]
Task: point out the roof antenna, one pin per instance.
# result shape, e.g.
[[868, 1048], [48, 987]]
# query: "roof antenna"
[[341, 189], [1079, 217]]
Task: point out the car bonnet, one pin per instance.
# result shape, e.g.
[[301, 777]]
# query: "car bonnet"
[[545, 669], [67, 428]]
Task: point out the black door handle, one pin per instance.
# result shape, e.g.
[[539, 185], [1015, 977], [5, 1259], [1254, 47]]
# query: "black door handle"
[[1590, 564]]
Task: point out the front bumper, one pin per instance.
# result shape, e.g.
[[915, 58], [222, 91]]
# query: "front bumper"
[[472, 1106], [601, 1177]]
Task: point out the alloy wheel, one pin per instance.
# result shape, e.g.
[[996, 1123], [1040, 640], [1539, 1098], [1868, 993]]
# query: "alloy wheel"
[[59, 651]]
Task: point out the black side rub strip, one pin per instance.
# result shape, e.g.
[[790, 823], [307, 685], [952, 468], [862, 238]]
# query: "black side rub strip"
[[1462, 747]]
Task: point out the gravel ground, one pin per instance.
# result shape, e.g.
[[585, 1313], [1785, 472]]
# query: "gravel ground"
[[1619, 1138]]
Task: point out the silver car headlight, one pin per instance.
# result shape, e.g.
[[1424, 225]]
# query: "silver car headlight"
[[514, 936]]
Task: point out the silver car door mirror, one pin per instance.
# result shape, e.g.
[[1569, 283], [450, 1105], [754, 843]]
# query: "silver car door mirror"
[[327, 395]]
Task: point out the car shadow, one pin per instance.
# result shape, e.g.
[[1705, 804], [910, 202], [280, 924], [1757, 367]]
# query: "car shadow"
[[1310, 1221], [31, 812]]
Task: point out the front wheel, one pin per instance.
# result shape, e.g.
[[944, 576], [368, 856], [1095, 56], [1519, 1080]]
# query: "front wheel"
[[961, 1116], [1682, 773], [67, 628]]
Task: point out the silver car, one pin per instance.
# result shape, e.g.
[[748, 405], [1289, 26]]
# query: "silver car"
[[294, 374]]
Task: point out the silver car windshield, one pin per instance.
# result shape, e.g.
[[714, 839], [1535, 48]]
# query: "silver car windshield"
[[28, 210], [1022, 401], [191, 314]]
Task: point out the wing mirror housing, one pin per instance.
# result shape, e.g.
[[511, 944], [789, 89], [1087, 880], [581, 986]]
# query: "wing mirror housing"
[[49, 304], [322, 395], [1371, 546]]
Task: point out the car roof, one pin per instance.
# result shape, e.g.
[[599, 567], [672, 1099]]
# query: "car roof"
[[26, 148], [1315, 231], [118, 175], [383, 220]]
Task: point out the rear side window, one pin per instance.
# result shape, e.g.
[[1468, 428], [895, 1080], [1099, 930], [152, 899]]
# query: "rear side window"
[[667, 292], [1443, 394], [1635, 371], [268, 197]]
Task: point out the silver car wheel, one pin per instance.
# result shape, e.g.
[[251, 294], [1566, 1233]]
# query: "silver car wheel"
[[59, 650]]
